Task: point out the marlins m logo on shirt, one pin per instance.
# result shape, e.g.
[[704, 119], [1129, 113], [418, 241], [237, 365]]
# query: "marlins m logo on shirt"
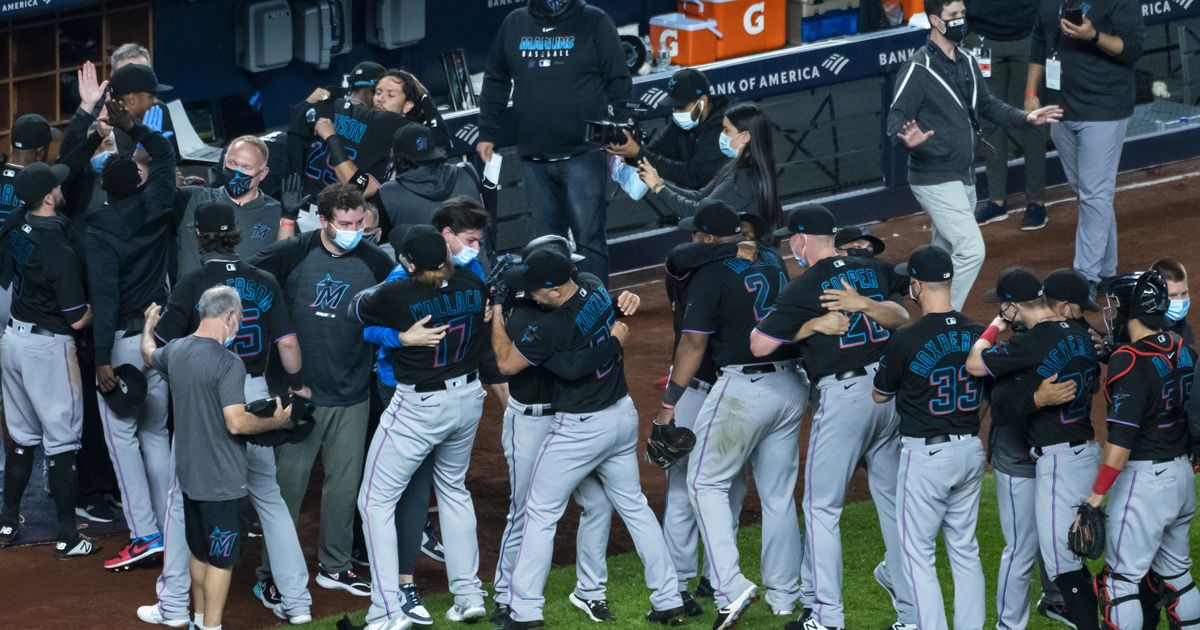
[[330, 293], [221, 543]]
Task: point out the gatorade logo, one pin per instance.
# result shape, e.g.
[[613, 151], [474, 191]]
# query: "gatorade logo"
[[754, 20], [670, 40]]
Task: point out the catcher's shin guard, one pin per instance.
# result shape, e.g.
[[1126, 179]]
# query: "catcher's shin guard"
[[1148, 598], [1119, 601], [1080, 597], [1177, 595]]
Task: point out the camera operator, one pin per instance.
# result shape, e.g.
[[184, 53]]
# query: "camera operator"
[[564, 65], [686, 152]]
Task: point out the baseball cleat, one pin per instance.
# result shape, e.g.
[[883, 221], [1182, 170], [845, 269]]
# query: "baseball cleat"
[[8, 533], [468, 614], [430, 545], [347, 580], [153, 614], [902, 626], [135, 552], [673, 617], [808, 624], [690, 606], [991, 213], [501, 616], [82, 546], [704, 589], [596, 609], [1057, 612], [413, 606], [728, 616], [387, 624], [536, 624], [1035, 217], [100, 512], [264, 591], [880, 573]]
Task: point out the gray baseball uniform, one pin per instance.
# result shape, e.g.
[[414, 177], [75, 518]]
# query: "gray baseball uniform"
[[43, 396]]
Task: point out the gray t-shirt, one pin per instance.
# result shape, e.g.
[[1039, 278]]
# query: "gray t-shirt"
[[205, 378], [258, 222]]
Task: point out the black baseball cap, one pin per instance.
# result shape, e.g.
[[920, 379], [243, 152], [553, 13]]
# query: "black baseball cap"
[[809, 219], [1015, 284], [135, 78], [685, 87], [927, 263], [858, 233], [414, 143], [127, 397], [365, 74], [761, 228], [424, 247], [713, 217], [215, 217], [544, 268], [1070, 286], [32, 131], [37, 180]]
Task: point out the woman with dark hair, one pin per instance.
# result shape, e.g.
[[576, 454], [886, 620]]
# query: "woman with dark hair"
[[746, 184]]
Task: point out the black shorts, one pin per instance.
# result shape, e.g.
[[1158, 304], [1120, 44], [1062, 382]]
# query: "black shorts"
[[214, 531]]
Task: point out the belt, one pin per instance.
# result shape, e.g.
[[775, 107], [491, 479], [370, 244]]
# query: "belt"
[[438, 386], [946, 438], [849, 374], [699, 386], [757, 368], [31, 328], [538, 411], [132, 327], [1037, 450]]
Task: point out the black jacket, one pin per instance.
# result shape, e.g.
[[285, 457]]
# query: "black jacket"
[[689, 159], [49, 289], [1003, 20], [561, 72], [736, 187], [414, 195], [947, 97]]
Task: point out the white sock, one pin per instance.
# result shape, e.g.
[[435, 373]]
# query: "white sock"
[[198, 621]]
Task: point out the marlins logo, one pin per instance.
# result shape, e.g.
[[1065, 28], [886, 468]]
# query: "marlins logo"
[[220, 544], [330, 293], [260, 231]]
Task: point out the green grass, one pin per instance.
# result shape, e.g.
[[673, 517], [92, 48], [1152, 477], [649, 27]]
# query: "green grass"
[[867, 606]]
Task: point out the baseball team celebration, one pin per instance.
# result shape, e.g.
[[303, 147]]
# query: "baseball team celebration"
[[801, 314]]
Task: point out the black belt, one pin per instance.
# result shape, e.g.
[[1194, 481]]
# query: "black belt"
[[760, 368], [848, 374], [545, 409], [254, 374], [35, 329], [939, 439], [132, 328], [439, 386], [1037, 450], [699, 385]]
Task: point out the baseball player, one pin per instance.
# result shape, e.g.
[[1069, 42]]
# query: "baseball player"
[[43, 396], [435, 409], [752, 416], [528, 417], [941, 457], [595, 430], [1066, 457], [265, 322], [1145, 470], [841, 310]]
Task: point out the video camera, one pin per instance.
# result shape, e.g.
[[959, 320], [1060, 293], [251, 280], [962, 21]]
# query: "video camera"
[[606, 132], [499, 292]]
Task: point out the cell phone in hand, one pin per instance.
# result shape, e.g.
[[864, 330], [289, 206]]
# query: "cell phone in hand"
[[1074, 16]]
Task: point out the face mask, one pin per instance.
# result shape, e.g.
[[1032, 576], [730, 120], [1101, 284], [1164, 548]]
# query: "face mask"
[[347, 239], [1178, 310], [727, 146], [684, 119], [553, 7], [231, 338], [464, 255], [99, 159], [914, 296], [860, 252], [956, 30], [237, 183], [628, 179], [800, 260], [371, 238]]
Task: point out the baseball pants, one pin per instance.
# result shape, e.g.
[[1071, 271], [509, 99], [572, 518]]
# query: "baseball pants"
[[848, 427], [750, 419], [951, 208], [939, 492], [1016, 502], [139, 445], [279, 533], [1065, 475], [415, 425], [338, 436], [604, 442], [679, 518], [1090, 153], [1150, 509], [525, 428], [43, 395]]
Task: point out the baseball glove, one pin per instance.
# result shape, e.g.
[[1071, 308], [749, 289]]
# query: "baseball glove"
[[668, 444], [302, 422], [1086, 536]]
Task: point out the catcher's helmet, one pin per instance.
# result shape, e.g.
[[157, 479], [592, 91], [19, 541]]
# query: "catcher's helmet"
[[1142, 296], [558, 243]]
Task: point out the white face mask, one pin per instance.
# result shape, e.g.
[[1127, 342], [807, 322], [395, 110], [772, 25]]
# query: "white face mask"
[[684, 119], [800, 260], [232, 336], [347, 239], [464, 255]]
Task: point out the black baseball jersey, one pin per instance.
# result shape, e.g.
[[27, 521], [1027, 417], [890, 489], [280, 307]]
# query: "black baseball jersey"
[[925, 368], [366, 138], [48, 287], [535, 384], [800, 302], [1053, 347], [265, 318], [458, 304], [8, 193], [681, 265], [729, 298], [583, 321], [1148, 385]]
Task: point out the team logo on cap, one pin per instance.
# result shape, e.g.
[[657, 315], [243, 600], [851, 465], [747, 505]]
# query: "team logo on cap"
[[422, 144]]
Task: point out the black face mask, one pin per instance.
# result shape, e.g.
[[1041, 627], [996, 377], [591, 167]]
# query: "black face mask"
[[237, 183], [956, 30], [550, 8], [859, 252]]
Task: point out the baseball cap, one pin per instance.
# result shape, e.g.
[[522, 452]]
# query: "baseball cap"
[[809, 219], [757, 223], [1070, 286], [127, 397], [685, 86], [365, 74], [927, 263], [414, 143], [555, 242], [213, 217], [424, 247], [1015, 284], [135, 78], [858, 233], [713, 217], [37, 180], [544, 268], [31, 131]]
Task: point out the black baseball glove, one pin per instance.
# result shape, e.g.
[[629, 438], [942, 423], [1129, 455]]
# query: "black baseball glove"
[[1086, 536], [302, 422], [668, 444]]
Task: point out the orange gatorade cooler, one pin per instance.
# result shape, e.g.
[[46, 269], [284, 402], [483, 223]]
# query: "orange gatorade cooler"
[[690, 41], [746, 26]]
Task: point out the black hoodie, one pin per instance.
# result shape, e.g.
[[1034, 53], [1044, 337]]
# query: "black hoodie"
[[561, 70], [690, 159], [415, 194]]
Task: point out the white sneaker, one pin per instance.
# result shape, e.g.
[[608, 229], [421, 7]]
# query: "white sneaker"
[[473, 613], [390, 624], [152, 614]]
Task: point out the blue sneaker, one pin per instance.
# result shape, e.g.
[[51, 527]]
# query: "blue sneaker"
[[1035, 217], [137, 551], [991, 213]]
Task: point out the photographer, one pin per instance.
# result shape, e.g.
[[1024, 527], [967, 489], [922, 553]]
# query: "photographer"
[[563, 64], [686, 152]]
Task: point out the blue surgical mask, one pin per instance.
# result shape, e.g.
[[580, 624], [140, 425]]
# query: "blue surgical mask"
[[347, 239], [684, 119], [1178, 310], [800, 260], [464, 255], [237, 183], [99, 159], [628, 179], [727, 146]]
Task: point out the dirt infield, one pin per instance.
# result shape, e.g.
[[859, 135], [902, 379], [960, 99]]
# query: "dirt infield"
[[1157, 214]]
